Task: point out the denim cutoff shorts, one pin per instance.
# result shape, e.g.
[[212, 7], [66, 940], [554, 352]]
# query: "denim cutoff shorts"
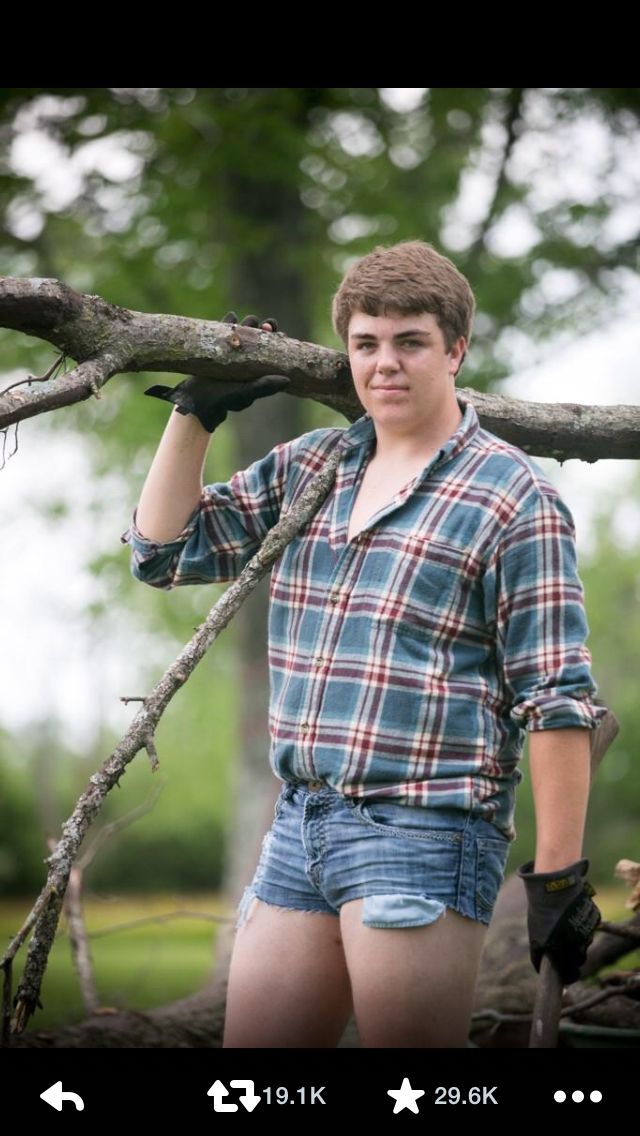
[[408, 863]]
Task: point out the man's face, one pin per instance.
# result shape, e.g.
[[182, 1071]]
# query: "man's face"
[[403, 374]]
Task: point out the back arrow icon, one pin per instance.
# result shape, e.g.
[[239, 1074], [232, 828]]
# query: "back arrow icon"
[[55, 1096]]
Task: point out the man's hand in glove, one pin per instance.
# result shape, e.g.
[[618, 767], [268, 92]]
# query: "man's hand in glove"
[[211, 399], [561, 916]]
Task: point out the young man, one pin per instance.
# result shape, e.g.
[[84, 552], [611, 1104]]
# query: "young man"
[[426, 617]]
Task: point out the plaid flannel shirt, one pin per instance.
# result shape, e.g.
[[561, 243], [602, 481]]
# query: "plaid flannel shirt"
[[408, 662]]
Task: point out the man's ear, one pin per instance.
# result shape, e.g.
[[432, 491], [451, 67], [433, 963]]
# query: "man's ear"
[[457, 354]]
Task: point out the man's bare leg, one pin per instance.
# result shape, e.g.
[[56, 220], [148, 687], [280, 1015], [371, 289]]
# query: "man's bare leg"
[[412, 987], [288, 981]]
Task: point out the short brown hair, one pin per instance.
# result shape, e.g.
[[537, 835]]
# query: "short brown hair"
[[407, 278]]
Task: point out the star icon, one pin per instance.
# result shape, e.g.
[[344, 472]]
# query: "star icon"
[[405, 1096]]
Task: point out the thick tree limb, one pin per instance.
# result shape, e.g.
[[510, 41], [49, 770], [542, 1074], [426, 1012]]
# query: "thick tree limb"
[[561, 430], [45, 915], [613, 943], [114, 339], [105, 340]]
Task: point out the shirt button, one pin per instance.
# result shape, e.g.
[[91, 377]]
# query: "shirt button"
[[319, 660], [304, 726], [334, 597]]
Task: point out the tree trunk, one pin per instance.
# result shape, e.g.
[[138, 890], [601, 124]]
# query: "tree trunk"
[[269, 284]]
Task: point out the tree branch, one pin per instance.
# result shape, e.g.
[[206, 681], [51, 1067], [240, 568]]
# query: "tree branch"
[[106, 340], [117, 340], [613, 943], [74, 386], [45, 915], [80, 951], [561, 430]]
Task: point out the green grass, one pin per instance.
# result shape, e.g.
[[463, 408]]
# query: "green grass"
[[137, 967]]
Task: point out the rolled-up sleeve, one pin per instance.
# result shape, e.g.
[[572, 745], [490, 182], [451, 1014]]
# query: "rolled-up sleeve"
[[541, 625], [225, 530]]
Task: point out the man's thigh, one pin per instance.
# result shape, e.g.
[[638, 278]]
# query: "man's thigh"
[[412, 987], [288, 981]]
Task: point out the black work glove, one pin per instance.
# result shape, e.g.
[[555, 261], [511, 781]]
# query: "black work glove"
[[211, 399], [561, 916]]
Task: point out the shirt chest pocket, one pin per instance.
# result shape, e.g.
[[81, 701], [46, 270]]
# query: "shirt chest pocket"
[[431, 584]]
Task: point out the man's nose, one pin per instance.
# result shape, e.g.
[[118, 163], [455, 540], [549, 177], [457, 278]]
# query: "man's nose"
[[387, 358]]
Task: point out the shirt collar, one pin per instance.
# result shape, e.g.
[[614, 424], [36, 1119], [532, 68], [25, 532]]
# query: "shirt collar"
[[359, 433], [362, 432], [467, 428]]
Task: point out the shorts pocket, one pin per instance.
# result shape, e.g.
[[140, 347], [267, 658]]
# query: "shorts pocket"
[[492, 856], [409, 821]]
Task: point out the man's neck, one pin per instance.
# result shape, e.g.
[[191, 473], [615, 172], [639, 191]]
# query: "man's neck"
[[396, 447]]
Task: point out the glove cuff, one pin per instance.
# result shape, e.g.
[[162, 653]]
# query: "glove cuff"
[[185, 403], [560, 878]]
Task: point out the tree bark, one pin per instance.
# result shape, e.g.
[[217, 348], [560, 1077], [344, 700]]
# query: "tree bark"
[[106, 340]]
